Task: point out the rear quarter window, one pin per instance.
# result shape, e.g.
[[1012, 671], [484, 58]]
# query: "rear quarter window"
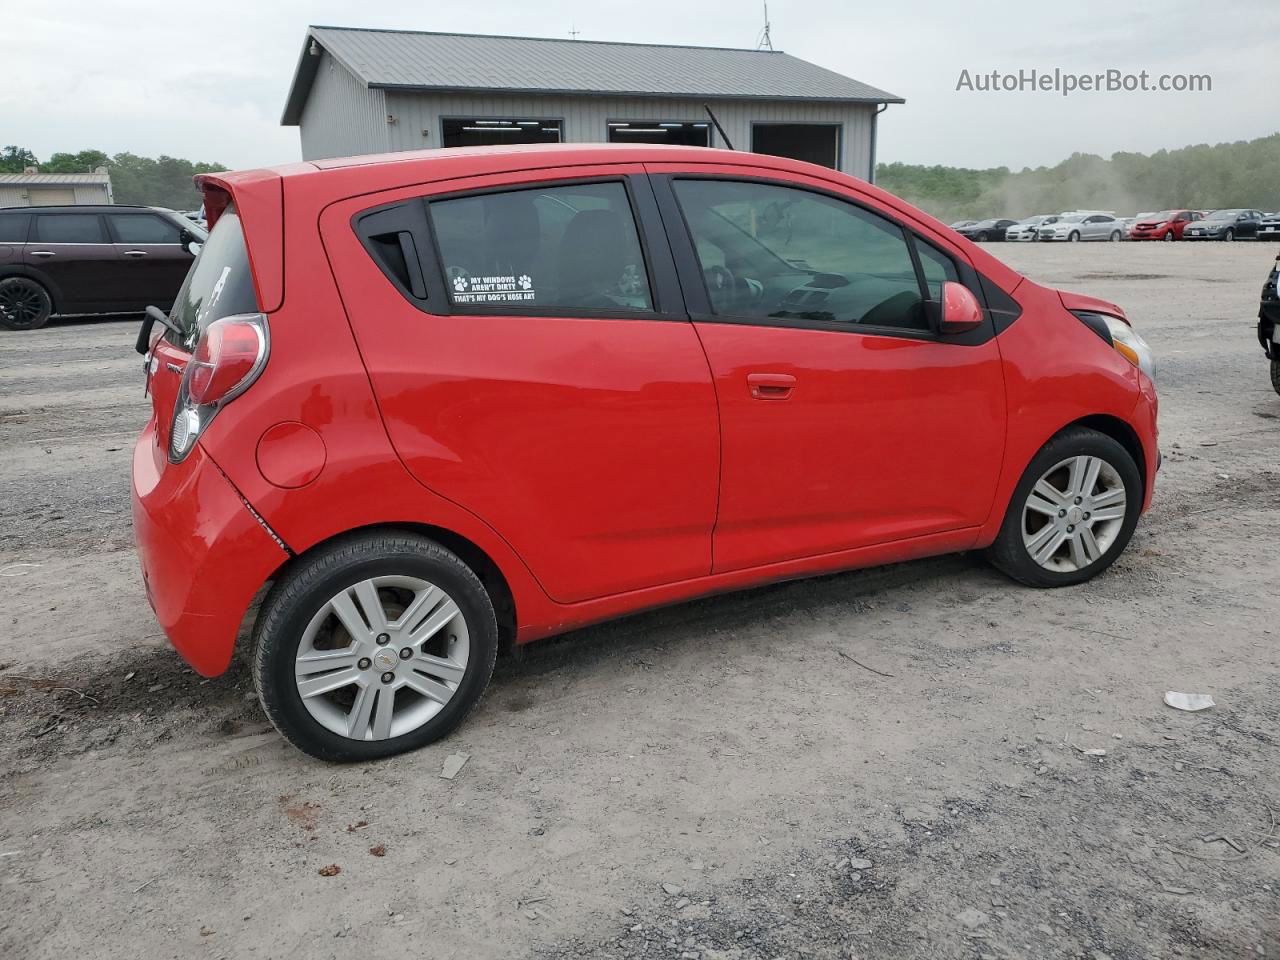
[[219, 283]]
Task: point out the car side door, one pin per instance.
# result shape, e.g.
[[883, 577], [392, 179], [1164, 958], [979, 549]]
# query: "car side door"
[[846, 420], [71, 252], [152, 259], [1247, 224], [532, 361]]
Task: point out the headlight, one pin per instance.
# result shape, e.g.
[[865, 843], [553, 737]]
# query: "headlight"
[[1122, 337]]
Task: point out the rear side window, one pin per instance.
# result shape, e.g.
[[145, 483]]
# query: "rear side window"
[[13, 227], [69, 228], [567, 248], [143, 228], [219, 283]]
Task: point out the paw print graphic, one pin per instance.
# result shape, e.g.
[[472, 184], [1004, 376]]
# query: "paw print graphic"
[[525, 281], [460, 284]]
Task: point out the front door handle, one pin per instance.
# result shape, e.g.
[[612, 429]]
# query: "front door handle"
[[771, 386], [135, 253], [42, 253]]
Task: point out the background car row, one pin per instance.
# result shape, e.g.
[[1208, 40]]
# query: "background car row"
[[1167, 225]]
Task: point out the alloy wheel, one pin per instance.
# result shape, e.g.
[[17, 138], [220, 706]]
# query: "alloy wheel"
[[382, 657], [1073, 514], [21, 303]]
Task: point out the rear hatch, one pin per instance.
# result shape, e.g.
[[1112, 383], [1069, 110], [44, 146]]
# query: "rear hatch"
[[219, 284]]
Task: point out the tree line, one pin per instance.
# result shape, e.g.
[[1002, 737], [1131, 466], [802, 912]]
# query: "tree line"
[[1201, 177], [151, 181]]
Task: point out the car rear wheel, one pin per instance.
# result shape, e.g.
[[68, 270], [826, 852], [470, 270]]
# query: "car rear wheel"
[[1115, 236], [377, 644], [1074, 236], [1072, 513], [24, 304]]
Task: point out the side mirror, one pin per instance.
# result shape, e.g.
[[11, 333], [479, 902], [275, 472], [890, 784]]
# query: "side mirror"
[[961, 311], [189, 242]]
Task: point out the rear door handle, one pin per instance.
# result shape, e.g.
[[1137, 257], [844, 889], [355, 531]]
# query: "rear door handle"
[[771, 386], [42, 253], [135, 253]]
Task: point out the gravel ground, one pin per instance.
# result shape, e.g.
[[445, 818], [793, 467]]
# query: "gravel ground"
[[884, 764]]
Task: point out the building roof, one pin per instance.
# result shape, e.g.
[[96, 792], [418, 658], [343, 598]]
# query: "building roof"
[[53, 179], [410, 60]]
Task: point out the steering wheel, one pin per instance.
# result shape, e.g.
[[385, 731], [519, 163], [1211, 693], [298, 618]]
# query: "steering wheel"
[[728, 291]]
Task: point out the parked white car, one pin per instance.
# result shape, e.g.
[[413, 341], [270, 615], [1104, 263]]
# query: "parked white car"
[[1083, 226], [1025, 230]]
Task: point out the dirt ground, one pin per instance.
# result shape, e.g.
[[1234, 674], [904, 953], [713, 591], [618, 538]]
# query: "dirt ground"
[[883, 764]]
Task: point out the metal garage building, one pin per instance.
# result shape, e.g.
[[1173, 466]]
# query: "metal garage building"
[[371, 91], [35, 189]]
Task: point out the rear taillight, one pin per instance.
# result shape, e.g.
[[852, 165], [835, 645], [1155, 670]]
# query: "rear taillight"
[[228, 358]]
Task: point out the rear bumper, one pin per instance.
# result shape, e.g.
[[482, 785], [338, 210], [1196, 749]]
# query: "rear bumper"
[[203, 554]]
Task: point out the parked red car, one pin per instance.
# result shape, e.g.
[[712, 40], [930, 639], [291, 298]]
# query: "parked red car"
[[1165, 225], [451, 400]]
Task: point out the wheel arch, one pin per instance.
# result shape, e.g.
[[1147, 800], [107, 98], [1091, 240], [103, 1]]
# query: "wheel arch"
[[470, 553], [1119, 431], [35, 276]]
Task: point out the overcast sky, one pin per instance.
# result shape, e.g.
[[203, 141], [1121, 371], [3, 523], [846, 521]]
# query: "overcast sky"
[[208, 81]]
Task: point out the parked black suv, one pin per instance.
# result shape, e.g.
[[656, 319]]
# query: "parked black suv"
[[90, 260], [1269, 322]]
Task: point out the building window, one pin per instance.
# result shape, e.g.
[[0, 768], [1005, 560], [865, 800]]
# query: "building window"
[[811, 142], [485, 131], [660, 131]]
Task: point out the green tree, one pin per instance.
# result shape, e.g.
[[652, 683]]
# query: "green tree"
[[14, 159]]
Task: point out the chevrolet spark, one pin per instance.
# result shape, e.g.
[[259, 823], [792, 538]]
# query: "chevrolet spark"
[[431, 404]]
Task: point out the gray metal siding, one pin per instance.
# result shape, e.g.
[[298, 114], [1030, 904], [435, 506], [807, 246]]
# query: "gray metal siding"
[[417, 118], [14, 195], [342, 117]]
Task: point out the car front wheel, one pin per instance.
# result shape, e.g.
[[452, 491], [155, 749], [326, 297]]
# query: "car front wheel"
[[1168, 235], [24, 304], [1072, 513], [374, 645], [1229, 235], [1074, 237]]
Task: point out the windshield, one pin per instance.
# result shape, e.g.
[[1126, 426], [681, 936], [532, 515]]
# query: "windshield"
[[218, 284]]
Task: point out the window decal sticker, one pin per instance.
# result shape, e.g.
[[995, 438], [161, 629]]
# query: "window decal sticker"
[[508, 289]]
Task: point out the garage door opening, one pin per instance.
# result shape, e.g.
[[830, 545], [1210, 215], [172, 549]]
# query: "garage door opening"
[[660, 131], [477, 132], [811, 142]]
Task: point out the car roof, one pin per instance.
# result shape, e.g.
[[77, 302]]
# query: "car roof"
[[86, 208]]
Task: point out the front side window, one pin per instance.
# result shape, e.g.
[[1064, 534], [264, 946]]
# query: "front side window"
[[143, 228], [568, 248], [778, 253], [69, 228]]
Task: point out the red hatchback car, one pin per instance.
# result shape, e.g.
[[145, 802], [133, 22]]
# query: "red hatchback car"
[[1166, 225], [446, 401]]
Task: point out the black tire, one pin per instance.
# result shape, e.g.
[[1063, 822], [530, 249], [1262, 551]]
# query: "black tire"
[[1275, 375], [1115, 236], [24, 304], [1168, 235], [1229, 236], [1009, 554], [307, 587], [1073, 237]]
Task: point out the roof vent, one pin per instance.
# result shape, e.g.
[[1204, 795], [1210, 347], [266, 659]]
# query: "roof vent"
[[314, 49], [30, 169]]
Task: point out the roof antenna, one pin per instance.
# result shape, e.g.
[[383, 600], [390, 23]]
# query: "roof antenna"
[[573, 31], [764, 41]]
